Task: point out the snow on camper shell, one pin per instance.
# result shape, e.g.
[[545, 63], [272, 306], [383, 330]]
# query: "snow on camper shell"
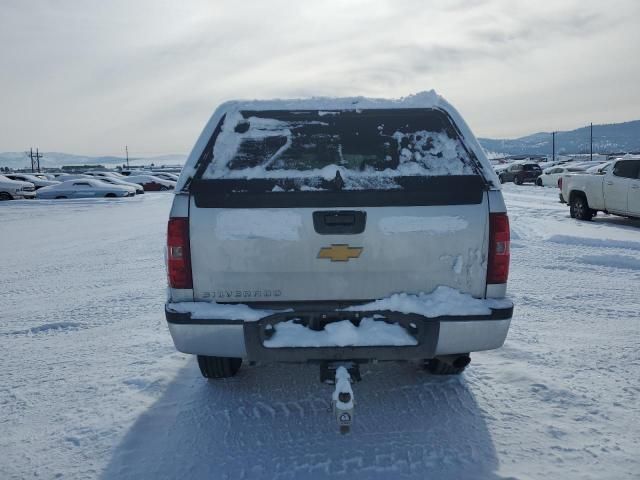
[[360, 149]]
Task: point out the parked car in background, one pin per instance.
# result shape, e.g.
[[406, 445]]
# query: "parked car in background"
[[166, 175], [520, 173], [586, 164], [599, 169], [44, 176], [500, 168], [15, 189], [616, 191], [151, 183], [63, 177], [105, 174], [550, 176], [37, 180], [116, 181], [551, 163], [128, 173], [85, 188]]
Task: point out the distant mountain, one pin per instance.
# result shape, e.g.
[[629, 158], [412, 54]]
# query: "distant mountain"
[[56, 159], [608, 138]]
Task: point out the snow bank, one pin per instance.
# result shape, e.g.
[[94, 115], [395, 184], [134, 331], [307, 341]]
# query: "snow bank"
[[594, 242], [269, 224], [432, 225], [442, 301], [613, 261], [340, 334]]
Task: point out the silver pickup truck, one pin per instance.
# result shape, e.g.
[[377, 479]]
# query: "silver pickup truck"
[[337, 230], [614, 190]]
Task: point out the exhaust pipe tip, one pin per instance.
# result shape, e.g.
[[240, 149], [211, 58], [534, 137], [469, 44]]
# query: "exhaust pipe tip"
[[462, 361]]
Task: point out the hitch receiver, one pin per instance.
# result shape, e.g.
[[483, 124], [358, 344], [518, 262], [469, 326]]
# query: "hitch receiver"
[[328, 371], [342, 400]]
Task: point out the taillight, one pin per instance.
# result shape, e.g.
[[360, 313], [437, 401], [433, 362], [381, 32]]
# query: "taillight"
[[499, 239], [560, 183], [178, 254]]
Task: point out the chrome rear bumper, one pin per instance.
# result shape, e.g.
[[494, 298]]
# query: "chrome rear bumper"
[[435, 336]]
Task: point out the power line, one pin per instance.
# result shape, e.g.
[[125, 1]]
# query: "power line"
[[35, 160], [591, 141]]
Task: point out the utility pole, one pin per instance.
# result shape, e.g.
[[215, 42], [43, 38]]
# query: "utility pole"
[[35, 160], [591, 135], [553, 147], [126, 149]]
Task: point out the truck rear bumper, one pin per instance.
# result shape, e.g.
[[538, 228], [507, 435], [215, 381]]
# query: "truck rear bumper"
[[434, 336]]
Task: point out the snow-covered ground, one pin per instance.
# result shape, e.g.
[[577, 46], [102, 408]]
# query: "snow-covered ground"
[[91, 386]]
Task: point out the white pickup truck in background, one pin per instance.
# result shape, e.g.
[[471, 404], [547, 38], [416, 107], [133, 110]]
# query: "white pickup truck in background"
[[616, 190]]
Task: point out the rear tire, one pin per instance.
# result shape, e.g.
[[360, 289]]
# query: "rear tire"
[[218, 367], [501, 179], [110, 195], [60, 197], [5, 196], [539, 182], [455, 365], [579, 208], [517, 180]]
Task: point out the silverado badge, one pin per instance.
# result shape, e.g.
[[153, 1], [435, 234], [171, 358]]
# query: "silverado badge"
[[339, 252]]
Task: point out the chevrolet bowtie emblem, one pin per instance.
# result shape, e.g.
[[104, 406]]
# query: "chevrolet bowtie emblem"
[[339, 253]]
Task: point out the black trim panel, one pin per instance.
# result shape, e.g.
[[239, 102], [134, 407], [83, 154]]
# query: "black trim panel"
[[185, 319], [207, 154], [339, 222], [425, 333], [418, 191]]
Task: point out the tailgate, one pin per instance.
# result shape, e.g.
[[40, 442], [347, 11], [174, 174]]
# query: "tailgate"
[[281, 254]]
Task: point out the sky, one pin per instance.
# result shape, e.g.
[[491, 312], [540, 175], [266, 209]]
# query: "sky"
[[91, 76]]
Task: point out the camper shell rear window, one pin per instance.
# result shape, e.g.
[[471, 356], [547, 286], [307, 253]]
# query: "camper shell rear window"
[[345, 149]]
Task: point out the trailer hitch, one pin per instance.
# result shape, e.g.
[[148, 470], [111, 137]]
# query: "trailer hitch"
[[342, 400]]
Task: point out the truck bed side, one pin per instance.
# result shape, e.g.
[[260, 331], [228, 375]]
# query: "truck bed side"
[[590, 185]]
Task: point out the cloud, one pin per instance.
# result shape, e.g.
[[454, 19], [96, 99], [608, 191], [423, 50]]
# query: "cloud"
[[96, 75]]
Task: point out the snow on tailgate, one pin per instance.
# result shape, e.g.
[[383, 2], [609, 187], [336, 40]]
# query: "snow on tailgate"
[[442, 301], [269, 224], [432, 225]]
